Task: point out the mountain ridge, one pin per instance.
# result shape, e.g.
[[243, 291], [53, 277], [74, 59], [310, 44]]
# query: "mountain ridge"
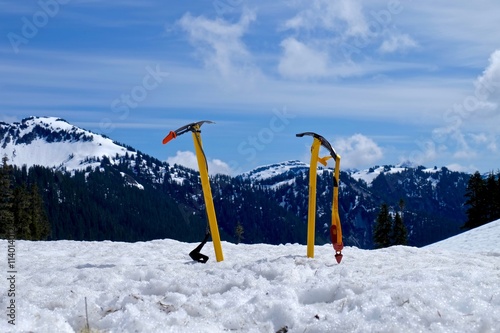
[[278, 191], [57, 130]]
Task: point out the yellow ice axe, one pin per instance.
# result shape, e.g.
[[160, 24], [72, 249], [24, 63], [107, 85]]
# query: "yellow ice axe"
[[336, 228], [205, 184]]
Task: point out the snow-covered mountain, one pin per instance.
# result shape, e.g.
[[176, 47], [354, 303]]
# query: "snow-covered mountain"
[[368, 175], [276, 175], [68, 287], [90, 187], [434, 197], [54, 143], [290, 169]]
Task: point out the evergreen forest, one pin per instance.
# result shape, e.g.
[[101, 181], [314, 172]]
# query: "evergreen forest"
[[141, 198]]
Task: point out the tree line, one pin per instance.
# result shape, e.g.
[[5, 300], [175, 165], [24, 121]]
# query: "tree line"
[[102, 203], [22, 212], [483, 200], [483, 206], [390, 229]]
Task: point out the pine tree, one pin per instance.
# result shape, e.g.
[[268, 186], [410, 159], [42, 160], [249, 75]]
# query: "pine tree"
[[401, 206], [6, 197], [239, 232], [383, 228], [40, 226], [21, 210], [477, 202], [399, 232], [496, 197], [491, 198]]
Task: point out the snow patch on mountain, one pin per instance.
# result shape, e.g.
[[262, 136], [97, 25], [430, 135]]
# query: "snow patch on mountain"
[[54, 143], [131, 181], [270, 171], [276, 169], [368, 175]]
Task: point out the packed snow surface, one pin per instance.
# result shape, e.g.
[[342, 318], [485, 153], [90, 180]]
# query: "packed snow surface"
[[452, 286], [484, 239]]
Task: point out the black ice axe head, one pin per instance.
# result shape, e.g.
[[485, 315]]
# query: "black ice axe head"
[[184, 129], [324, 142]]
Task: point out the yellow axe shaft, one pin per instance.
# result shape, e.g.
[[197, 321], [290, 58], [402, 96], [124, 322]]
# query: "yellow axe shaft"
[[207, 194], [311, 215]]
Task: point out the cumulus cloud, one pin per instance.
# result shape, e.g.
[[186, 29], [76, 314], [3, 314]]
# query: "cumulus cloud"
[[488, 84], [219, 42], [188, 159], [358, 151]]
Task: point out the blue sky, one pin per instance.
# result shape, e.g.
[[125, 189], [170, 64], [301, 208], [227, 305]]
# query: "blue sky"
[[383, 81]]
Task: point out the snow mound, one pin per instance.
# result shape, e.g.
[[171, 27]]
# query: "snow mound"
[[155, 287], [484, 239]]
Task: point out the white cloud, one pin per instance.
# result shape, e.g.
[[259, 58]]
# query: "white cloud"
[[342, 15], [8, 119], [484, 140], [488, 84], [471, 127], [458, 34], [319, 46], [341, 38], [493, 146], [219, 42], [397, 42], [480, 138], [302, 61], [460, 168], [358, 151], [188, 159]]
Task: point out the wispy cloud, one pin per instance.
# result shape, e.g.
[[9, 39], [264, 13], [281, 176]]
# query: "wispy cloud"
[[397, 42], [469, 125], [342, 38], [343, 16], [458, 32], [219, 43], [400, 63]]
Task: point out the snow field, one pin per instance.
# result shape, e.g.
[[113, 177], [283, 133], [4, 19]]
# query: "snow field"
[[155, 287]]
